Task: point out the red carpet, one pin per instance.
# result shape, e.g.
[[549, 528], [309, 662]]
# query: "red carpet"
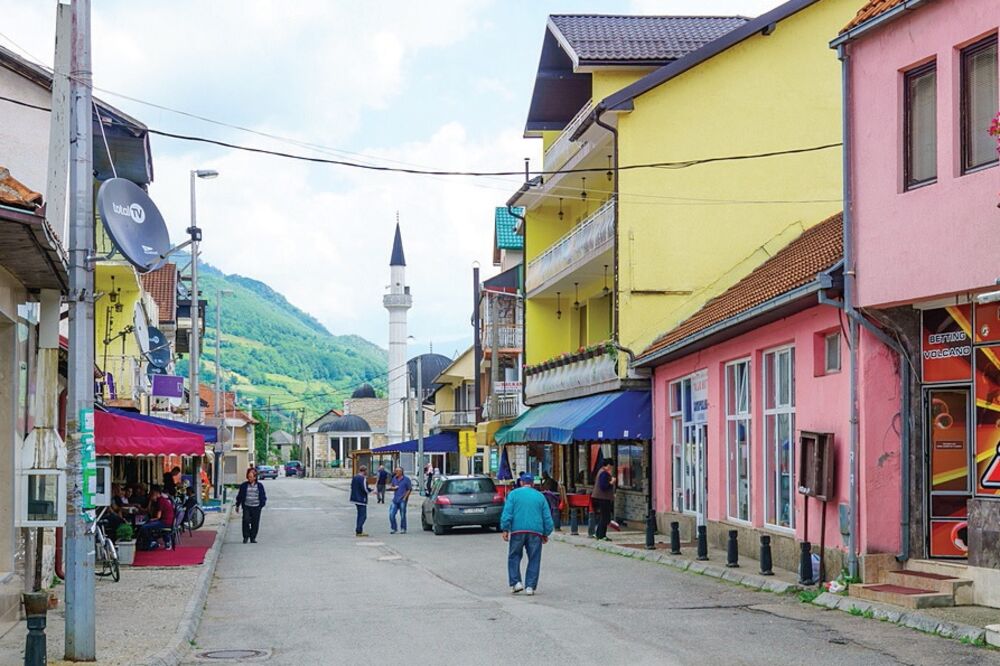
[[190, 552]]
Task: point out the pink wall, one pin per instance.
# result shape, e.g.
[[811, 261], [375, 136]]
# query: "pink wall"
[[938, 239], [822, 405]]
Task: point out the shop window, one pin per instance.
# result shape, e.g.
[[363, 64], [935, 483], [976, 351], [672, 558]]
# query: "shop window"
[[779, 435], [920, 126], [631, 467], [688, 407], [738, 439], [978, 104]]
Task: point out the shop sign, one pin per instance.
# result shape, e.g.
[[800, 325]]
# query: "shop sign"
[[946, 344], [699, 397]]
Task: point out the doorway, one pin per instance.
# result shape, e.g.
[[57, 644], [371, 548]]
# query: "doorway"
[[950, 469]]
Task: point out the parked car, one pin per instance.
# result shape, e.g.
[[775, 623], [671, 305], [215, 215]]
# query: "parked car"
[[294, 468], [462, 500], [267, 472]]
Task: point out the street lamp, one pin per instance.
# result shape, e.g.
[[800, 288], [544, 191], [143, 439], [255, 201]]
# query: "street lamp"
[[194, 397]]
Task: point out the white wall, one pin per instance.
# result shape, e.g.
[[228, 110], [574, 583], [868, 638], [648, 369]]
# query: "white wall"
[[24, 132]]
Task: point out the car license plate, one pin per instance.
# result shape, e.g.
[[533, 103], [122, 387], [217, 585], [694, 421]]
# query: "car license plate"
[[476, 510]]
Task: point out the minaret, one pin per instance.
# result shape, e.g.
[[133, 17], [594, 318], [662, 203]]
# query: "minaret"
[[397, 302]]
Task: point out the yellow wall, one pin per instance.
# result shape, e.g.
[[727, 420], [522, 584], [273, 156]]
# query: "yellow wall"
[[768, 93], [444, 399], [126, 279], [604, 83]]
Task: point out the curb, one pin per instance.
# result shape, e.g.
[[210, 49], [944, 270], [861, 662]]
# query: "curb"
[[903, 617], [753, 581], [177, 648]]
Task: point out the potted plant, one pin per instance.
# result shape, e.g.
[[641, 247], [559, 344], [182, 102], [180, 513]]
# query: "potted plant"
[[125, 541]]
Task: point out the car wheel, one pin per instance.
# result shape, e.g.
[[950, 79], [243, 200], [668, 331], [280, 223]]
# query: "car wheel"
[[424, 524], [498, 528], [438, 528]]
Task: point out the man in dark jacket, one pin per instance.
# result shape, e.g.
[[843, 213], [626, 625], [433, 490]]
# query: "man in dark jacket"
[[603, 497], [252, 498], [359, 497], [380, 482]]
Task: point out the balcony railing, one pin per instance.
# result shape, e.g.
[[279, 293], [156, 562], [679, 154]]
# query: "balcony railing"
[[562, 149], [508, 337], [584, 241], [123, 378], [576, 378], [455, 419], [502, 406]]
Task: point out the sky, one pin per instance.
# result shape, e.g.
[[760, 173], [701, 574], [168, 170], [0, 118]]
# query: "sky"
[[442, 84]]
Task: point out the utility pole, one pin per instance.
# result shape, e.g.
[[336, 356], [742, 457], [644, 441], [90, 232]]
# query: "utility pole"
[[302, 440], [194, 399], [80, 637], [493, 301], [420, 426], [267, 431]]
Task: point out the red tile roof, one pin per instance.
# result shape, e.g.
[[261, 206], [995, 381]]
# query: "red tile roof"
[[228, 405], [16, 194], [815, 251], [871, 9], [161, 284]]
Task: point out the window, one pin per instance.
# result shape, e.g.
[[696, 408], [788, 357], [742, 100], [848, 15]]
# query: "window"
[[779, 435], [920, 122], [688, 406], [979, 104], [738, 439], [631, 467], [831, 353]]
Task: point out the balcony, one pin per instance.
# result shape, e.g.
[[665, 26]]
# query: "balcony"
[[455, 419], [584, 243], [508, 337], [562, 149], [124, 380], [503, 406], [597, 370]]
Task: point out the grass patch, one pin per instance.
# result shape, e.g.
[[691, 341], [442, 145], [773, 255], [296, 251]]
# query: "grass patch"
[[856, 612], [808, 596]]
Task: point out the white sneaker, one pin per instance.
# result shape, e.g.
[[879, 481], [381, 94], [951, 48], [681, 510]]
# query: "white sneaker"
[[530, 591], [516, 588]]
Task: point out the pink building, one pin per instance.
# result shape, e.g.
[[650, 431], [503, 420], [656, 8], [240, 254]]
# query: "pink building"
[[921, 206], [740, 383]]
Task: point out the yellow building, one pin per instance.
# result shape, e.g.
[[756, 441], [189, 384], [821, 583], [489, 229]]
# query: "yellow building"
[[455, 411], [618, 250]]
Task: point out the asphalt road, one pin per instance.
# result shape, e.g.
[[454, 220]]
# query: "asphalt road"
[[309, 592]]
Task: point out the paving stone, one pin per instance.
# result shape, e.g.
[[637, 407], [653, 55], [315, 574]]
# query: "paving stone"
[[948, 629], [992, 634], [755, 582], [847, 603], [778, 586], [698, 567], [888, 613], [733, 576], [714, 572]]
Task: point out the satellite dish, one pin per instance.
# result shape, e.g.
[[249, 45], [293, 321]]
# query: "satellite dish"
[[155, 370], [140, 328], [159, 348], [133, 222]]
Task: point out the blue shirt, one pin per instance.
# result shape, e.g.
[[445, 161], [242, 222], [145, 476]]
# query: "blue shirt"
[[382, 476], [403, 487]]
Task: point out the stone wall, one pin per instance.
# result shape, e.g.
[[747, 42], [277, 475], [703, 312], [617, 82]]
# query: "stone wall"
[[984, 533]]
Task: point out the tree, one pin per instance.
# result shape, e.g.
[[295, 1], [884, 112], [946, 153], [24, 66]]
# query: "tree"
[[261, 436]]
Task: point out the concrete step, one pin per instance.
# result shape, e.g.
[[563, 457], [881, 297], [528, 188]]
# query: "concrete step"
[[924, 580], [964, 593], [900, 595]]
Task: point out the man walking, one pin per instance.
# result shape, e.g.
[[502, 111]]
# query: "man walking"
[[359, 497], [252, 498], [603, 498], [383, 476], [401, 486], [526, 523]]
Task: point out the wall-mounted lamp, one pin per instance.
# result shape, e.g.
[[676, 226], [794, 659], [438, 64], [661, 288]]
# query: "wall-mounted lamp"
[[583, 193], [576, 295], [606, 290], [560, 209], [558, 306], [610, 172]]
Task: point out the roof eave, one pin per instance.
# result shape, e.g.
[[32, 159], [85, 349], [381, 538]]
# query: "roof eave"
[[790, 302], [876, 21]]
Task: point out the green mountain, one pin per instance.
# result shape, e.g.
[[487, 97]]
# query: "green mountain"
[[270, 348]]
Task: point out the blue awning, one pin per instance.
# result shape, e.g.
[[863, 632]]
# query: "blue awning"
[[208, 433], [608, 416], [443, 442]]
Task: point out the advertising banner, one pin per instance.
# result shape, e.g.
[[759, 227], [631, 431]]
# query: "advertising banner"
[[987, 421], [168, 386], [88, 457], [699, 397], [946, 344]]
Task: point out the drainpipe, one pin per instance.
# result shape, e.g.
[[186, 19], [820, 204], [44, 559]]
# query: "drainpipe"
[[849, 300]]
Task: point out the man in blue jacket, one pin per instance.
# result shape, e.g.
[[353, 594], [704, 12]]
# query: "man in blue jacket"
[[359, 497], [526, 523]]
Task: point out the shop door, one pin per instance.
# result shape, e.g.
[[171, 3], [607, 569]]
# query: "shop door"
[[950, 470]]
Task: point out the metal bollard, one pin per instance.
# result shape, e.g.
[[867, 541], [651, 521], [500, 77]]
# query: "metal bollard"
[[733, 550], [805, 564], [675, 538], [36, 605], [650, 532], [765, 556], [702, 543], [591, 524], [574, 521]]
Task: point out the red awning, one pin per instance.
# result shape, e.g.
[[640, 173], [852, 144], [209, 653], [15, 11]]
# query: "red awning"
[[116, 435]]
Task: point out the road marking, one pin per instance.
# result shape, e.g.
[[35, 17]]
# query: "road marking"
[[389, 558], [369, 543]]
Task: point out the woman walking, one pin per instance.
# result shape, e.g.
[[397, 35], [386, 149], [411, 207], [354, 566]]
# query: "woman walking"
[[252, 498]]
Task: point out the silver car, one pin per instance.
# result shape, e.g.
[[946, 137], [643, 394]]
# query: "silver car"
[[462, 500]]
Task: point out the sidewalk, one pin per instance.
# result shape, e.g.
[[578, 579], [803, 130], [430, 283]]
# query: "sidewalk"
[[966, 623], [146, 618]]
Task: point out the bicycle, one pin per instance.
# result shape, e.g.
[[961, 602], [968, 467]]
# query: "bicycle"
[[105, 551]]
